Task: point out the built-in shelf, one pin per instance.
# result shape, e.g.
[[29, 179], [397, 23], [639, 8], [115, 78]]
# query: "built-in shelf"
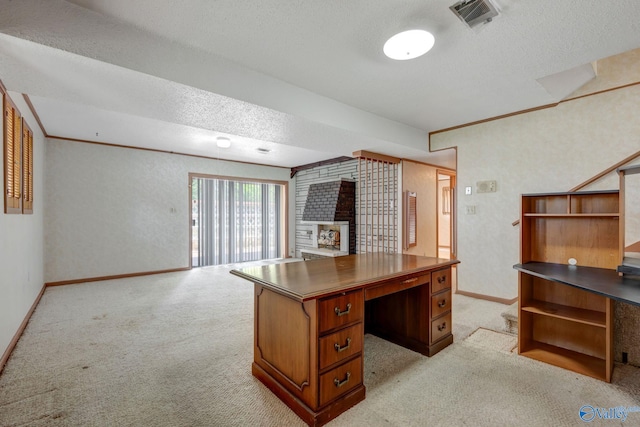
[[573, 314], [578, 362], [569, 249]]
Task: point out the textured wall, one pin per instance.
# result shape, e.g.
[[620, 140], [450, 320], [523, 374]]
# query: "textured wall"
[[21, 242], [548, 150], [117, 211]]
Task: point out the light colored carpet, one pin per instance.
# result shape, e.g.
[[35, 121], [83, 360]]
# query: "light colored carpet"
[[176, 350]]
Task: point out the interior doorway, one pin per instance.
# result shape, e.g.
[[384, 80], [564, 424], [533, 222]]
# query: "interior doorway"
[[446, 214]]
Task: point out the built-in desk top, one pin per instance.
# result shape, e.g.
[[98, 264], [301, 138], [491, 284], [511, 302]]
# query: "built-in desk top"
[[601, 281], [306, 280]]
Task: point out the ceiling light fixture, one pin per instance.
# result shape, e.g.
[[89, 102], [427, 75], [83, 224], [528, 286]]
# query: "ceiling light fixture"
[[409, 44], [223, 142]]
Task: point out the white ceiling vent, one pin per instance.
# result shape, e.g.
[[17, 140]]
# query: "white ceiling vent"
[[475, 12]]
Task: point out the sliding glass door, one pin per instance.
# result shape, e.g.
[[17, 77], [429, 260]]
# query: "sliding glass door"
[[235, 221]]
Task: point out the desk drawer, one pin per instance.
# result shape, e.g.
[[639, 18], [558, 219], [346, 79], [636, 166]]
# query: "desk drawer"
[[440, 280], [440, 303], [340, 310], [440, 327], [340, 345], [340, 380], [395, 286]]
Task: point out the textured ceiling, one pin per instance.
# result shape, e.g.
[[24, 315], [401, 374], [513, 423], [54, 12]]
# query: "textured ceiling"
[[307, 80]]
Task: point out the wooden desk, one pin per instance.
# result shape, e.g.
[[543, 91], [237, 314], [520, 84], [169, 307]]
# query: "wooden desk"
[[311, 317]]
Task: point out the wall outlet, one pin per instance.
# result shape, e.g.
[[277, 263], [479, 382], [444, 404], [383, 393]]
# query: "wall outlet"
[[470, 209]]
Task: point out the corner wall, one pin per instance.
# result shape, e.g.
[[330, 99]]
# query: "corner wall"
[[113, 210], [21, 243], [549, 150]]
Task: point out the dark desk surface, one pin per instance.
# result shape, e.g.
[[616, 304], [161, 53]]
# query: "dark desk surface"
[[306, 280], [597, 280]]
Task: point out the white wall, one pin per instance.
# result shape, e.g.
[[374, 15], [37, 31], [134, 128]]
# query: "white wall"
[[114, 210], [21, 243], [548, 150]]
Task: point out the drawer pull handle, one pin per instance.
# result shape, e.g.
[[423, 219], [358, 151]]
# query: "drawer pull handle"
[[442, 279], [442, 303], [442, 327], [340, 349], [339, 383], [342, 313], [410, 280]]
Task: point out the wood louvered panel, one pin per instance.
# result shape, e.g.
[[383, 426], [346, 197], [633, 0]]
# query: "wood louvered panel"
[[13, 157], [377, 206], [27, 169]]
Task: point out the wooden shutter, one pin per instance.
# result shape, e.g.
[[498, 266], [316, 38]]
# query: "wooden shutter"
[[27, 169], [13, 157]]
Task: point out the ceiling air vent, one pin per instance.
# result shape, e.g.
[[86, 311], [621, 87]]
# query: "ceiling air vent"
[[474, 12]]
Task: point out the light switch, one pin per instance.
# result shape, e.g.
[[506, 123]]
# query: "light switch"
[[467, 191]]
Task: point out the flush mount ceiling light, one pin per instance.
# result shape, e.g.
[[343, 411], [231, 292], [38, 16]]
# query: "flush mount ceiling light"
[[409, 44], [223, 142]]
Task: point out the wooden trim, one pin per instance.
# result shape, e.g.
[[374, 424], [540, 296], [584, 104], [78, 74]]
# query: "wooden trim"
[[491, 119], [297, 169], [116, 276], [35, 114], [21, 328], [635, 247], [375, 156], [530, 110], [235, 178], [606, 171], [487, 297], [3, 89], [601, 91], [443, 168], [108, 144]]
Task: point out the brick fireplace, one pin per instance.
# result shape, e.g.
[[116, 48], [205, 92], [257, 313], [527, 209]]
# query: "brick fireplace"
[[330, 210]]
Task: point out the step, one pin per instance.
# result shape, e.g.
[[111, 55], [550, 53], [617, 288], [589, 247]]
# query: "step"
[[510, 316]]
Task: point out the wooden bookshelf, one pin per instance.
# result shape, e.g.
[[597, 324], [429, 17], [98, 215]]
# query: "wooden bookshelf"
[[568, 243]]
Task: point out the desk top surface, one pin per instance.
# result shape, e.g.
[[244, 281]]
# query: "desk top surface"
[[600, 281], [306, 280]]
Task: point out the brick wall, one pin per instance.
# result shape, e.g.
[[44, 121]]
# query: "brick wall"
[[323, 174]]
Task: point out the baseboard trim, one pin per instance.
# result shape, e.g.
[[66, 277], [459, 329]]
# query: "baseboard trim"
[[487, 297], [116, 276], [18, 334]]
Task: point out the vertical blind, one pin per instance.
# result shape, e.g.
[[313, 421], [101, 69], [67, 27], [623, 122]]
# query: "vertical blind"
[[237, 221]]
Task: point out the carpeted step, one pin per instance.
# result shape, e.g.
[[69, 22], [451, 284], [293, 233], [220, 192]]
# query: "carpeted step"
[[510, 316]]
